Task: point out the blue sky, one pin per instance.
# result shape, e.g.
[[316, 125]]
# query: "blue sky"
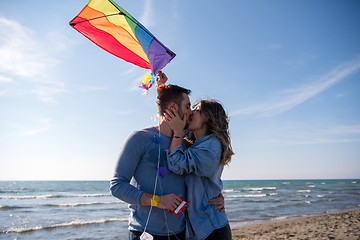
[[286, 71]]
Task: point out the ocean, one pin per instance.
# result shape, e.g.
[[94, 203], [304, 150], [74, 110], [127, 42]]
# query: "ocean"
[[86, 210]]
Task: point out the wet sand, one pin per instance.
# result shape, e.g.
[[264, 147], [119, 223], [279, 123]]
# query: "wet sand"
[[340, 225]]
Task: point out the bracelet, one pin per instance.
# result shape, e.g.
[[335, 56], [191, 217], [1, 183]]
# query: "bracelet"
[[176, 136], [160, 86], [155, 200]]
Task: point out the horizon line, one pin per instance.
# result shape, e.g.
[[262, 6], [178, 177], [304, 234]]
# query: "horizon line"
[[274, 179]]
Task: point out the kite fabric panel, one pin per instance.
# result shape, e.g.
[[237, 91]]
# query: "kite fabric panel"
[[113, 29]]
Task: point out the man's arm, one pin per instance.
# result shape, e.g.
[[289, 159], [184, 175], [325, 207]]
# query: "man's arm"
[[170, 201], [121, 188], [129, 158]]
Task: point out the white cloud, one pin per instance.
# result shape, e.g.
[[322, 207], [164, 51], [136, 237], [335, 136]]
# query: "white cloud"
[[341, 95], [125, 112], [19, 53], [27, 60], [37, 126], [302, 59], [95, 88], [290, 98], [147, 18], [47, 93], [128, 72], [341, 130], [289, 142], [300, 136], [133, 77], [4, 79], [275, 46]]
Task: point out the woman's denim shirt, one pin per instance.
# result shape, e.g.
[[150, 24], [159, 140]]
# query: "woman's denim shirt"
[[201, 164]]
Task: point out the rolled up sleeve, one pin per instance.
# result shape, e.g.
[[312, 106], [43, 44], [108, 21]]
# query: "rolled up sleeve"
[[202, 160]]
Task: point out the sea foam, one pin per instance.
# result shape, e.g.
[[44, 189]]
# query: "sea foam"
[[77, 223]]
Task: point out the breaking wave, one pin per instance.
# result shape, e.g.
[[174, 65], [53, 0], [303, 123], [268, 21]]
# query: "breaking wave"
[[78, 223], [15, 197], [80, 204]]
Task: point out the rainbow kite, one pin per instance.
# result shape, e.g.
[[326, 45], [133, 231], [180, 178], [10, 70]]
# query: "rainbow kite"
[[113, 29]]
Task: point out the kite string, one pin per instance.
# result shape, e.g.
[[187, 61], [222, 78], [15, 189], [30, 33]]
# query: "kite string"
[[156, 179], [155, 186]]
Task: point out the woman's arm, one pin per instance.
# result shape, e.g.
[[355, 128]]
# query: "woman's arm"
[[200, 160], [177, 125]]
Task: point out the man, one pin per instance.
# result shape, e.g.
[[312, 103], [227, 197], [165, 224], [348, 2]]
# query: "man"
[[141, 178]]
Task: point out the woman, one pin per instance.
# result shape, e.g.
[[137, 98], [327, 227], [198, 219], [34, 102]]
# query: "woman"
[[203, 164]]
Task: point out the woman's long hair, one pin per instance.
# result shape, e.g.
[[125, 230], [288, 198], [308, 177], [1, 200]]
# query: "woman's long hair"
[[218, 124]]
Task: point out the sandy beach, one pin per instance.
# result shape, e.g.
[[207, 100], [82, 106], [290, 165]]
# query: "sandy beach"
[[340, 225]]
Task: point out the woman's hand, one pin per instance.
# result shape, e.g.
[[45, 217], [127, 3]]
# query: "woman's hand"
[[176, 123], [170, 201], [219, 202]]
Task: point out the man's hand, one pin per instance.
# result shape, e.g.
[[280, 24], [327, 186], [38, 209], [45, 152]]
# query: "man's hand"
[[219, 201], [161, 78], [170, 201]]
